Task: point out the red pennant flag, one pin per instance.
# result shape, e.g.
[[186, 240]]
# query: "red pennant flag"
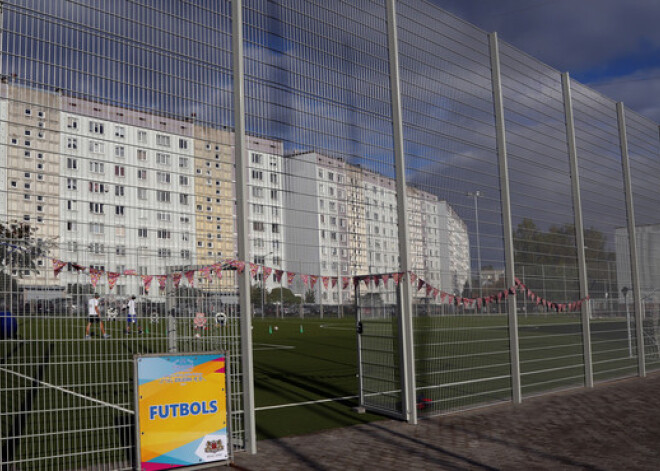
[[312, 280], [130, 273], [326, 281], [420, 284], [517, 281], [176, 279], [240, 267], [538, 300], [345, 282], [429, 288], [413, 277], [254, 269], [112, 279], [333, 281], [305, 279], [487, 300], [58, 265], [162, 280], [396, 277], [77, 267], [436, 291], [190, 276], [450, 298], [532, 296], [206, 273], [290, 276], [529, 293], [386, 278], [146, 281], [278, 275], [95, 275], [443, 295], [266, 272], [479, 301], [356, 282], [367, 281], [217, 267], [466, 302], [377, 279], [500, 295]]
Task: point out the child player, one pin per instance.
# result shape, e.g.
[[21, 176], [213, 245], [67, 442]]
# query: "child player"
[[94, 316], [132, 316]]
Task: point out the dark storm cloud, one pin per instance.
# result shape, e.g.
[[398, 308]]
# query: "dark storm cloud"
[[596, 41]]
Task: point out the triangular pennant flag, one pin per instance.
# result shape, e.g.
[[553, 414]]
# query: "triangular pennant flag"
[[305, 279], [240, 267], [396, 277], [345, 280], [538, 300], [517, 281], [512, 291], [95, 275], [443, 295], [217, 267], [479, 302], [254, 269], [76, 267], [176, 279], [278, 275], [162, 281], [436, 291], [376, 279], [326, 281], [356, 282], [58, 265], [112, 279], [290, 276], [312, 280], [420, 284], [429, 288], [386, 278], [413, 277], [146, 281], [466, 302], [333, 281], [190, 276], [266, 272], [506, 294], [450, 298], [206, 273]]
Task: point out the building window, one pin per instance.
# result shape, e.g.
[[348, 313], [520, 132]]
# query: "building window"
[[71, 226], [141, 154], [96, 228], [96, 127], [96, 208], [183, 143], [120, 250], [257, 158], [163, 140], [97, 147], [257, 192], [142, 193], [183, 162], [120, 132], [257, 175], [183, 180], [120, 152], [163, 196], [183, 199], [119, 190], [258, 226], [163, 177], [142, 136], [71, 184], [72, 164], [120, 171], [162, 159], [164, 253], [96, 167], [142, 232], [275, 229], [185, 254], [142, 174], [71, 143], [119, 210]]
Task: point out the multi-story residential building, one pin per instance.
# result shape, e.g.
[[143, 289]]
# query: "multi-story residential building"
[[126, 191], [30, 163], [266, 205], [342, 221]]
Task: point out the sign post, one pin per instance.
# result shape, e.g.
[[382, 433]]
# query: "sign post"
[[182, 410]]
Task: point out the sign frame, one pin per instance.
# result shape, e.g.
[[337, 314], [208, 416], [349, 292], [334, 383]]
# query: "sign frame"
[[227, 399]]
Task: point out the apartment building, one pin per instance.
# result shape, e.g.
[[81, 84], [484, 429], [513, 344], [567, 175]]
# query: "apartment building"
[[127, 194], [30, 167]]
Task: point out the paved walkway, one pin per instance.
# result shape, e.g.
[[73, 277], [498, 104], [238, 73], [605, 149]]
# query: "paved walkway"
[[615, 426]]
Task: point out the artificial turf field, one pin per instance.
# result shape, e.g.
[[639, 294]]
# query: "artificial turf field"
[[461, 361]]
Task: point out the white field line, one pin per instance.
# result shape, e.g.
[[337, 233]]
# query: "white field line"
[[66, 391], [272, 346]]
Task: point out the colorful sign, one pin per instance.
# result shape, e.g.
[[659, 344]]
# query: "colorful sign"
[[182, 410]]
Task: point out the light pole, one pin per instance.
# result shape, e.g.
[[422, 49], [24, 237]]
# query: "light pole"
[[624, 291], [476, 195]]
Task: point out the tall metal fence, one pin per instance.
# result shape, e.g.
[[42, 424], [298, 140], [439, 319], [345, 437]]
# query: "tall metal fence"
[[490, 222]]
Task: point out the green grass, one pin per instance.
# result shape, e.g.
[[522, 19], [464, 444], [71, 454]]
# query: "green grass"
[[461, 362]]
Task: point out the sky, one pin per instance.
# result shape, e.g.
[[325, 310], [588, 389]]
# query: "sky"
[[613, 46]]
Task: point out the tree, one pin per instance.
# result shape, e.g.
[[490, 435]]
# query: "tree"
[[310, 296], [19, 250], [282, 294]]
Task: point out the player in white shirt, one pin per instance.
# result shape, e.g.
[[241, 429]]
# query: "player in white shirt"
[[131, 318], [94, 316]]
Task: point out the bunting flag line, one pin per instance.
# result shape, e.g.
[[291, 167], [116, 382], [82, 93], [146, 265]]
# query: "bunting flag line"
[[190, 276], [162, 281], [112, 279], [146, 281]]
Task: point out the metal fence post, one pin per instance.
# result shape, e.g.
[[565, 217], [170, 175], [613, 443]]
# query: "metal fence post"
[[634, 269], [500, 130], [240, 156], [579, 229], [406, 337]]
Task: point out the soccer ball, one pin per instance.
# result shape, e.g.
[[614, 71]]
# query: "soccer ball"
[[197, 336], [275, 328]]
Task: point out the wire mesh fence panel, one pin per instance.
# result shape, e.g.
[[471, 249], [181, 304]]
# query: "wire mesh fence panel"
[[455, 222], [644, 151], [607, 251], [543, 219]]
